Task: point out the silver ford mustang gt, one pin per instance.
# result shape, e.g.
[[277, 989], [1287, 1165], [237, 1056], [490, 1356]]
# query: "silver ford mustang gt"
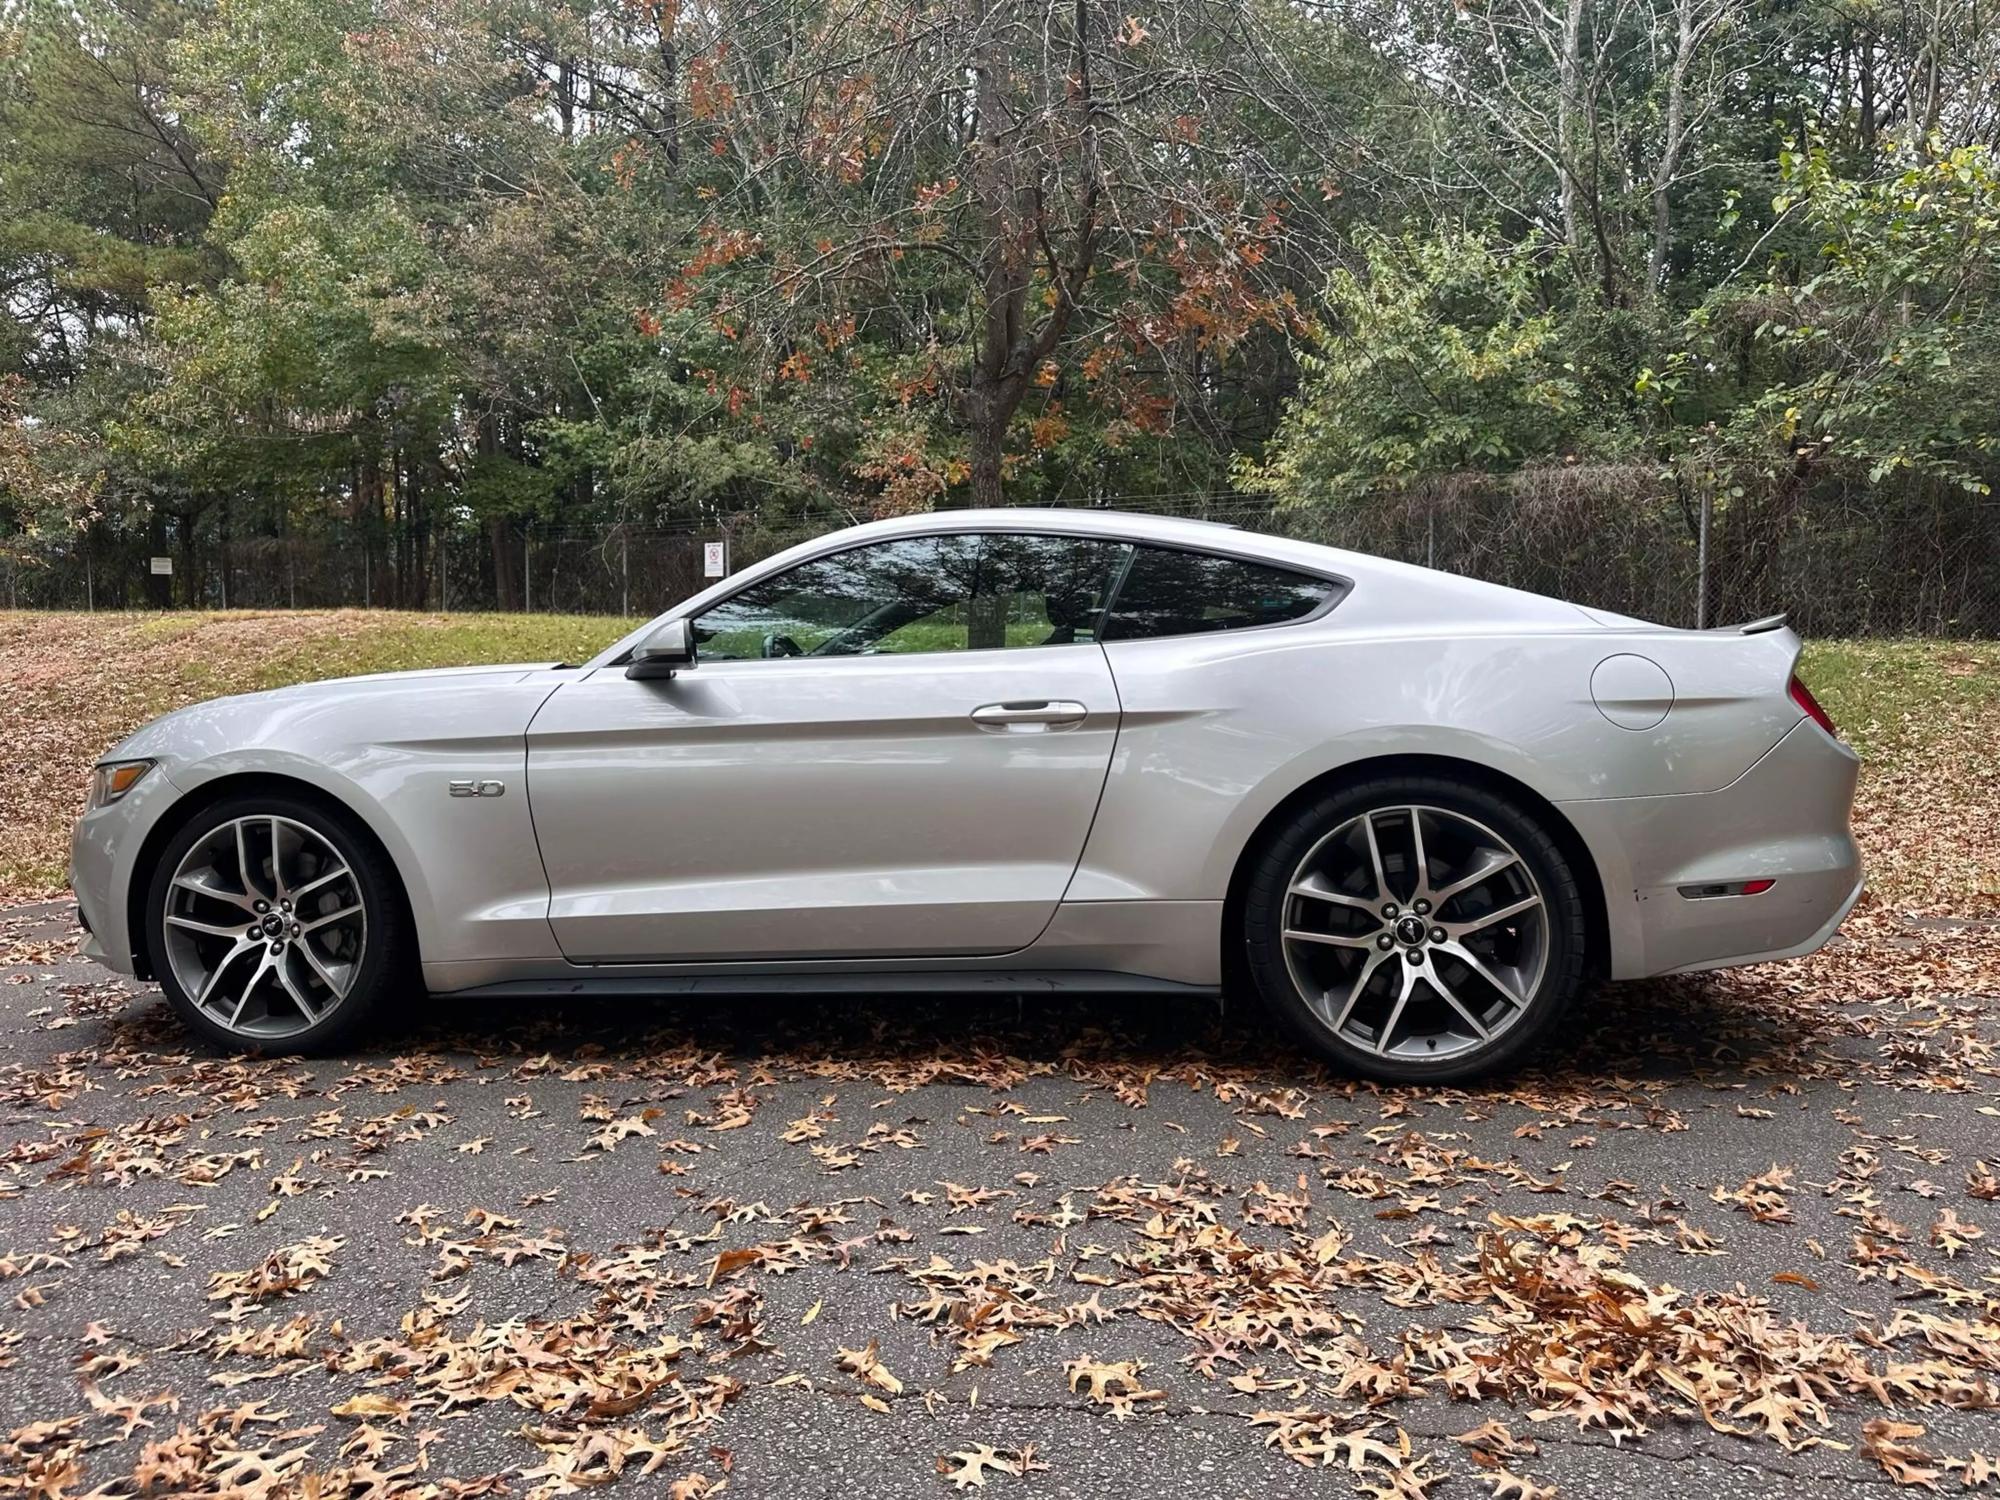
[[1006, 752]]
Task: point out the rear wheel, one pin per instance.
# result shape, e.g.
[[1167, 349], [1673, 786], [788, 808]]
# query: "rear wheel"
[[1415, 929], [274, 923]]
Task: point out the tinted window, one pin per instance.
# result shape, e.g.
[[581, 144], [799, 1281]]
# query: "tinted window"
[[938, 593], [1185, 593]]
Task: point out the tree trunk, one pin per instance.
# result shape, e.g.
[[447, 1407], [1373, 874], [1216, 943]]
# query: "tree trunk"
[[1015, 221], [190, 584], [505, 594], [1670, 147], [669, 132], [987, 411], [1569, 84]]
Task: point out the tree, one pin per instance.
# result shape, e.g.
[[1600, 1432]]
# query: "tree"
[[1438, 358], [972, 209], [376, 271], [50, 494]]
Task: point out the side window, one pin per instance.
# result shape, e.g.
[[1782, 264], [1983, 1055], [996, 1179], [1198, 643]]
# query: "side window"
[[1187, 593], [936, 593], [1013, 589]]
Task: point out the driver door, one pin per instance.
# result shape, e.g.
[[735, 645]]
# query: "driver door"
[[893, 750]]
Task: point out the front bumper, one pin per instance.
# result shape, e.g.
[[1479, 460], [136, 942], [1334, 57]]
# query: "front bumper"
[[103, 853], [1784, 820]]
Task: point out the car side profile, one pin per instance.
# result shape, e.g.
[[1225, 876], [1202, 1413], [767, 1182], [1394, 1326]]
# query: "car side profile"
[[1009, 751]]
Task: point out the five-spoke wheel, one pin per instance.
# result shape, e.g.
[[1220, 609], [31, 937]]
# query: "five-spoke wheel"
[[1415, 928], [271, 923]]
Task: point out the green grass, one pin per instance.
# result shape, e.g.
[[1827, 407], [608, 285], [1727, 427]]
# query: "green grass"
[[1893, 699], [385, 642]]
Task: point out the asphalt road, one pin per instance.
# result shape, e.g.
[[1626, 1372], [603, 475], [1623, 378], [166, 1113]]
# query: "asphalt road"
[[505, 1242]]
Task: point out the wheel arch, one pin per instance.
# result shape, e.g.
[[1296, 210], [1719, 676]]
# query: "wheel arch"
[[1597, 931], [218, 789]]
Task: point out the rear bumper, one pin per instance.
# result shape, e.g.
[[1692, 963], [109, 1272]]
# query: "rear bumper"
[[1812, 944], [1784, 820]]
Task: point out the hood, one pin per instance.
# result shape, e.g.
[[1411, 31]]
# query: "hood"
[[509, 670], [241, 718]]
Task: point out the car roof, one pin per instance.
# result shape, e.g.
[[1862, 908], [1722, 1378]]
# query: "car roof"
[[1099, 517], [1127, 525]]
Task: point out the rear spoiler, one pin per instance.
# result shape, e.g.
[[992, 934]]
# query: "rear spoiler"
[[1757, 627]]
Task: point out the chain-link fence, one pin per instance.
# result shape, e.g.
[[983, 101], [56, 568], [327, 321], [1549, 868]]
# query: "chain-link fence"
[[1839, 564]]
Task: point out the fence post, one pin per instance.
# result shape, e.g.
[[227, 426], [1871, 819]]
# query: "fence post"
[[527, 568], [1701, 560]]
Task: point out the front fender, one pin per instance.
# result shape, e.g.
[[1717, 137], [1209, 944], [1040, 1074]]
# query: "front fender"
[[387, 750]]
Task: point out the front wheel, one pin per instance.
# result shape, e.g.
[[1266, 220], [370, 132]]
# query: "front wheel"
[[1415, 929], [274, 923]]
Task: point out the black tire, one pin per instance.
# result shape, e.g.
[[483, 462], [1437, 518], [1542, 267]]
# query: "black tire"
[[1267, 900], [386, 963]]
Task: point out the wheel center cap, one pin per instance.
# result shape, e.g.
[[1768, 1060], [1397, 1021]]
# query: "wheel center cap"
[[273, 926], [1410, 932]]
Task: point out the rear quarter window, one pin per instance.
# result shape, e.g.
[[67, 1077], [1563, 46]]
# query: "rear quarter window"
[[1167, 592]]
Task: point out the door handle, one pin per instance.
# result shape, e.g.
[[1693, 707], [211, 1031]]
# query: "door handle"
[[1040, 714]]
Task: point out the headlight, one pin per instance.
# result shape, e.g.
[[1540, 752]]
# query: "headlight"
[[114, 779]]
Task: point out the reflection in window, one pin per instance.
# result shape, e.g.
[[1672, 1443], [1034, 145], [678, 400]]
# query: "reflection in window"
[[1187, 593], [939, 593]]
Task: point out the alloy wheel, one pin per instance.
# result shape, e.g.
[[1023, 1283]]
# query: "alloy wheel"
[[265, 926], [1415, 932]]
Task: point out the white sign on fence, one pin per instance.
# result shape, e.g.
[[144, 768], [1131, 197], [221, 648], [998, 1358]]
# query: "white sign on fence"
[[715, 559], [163, 566]]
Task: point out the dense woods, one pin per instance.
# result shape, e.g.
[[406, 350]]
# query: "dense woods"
[[403, 274]]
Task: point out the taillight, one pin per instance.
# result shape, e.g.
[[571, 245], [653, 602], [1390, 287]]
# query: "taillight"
[[1809, 705]]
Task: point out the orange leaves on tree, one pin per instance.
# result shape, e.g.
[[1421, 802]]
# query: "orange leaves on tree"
[[721, 247], [1048, 429], [931, 195], [708, 95], [624, 163], [841, 137]]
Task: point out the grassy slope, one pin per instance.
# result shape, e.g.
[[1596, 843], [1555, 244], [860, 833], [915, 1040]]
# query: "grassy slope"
[[1924, 713], [76, 684]]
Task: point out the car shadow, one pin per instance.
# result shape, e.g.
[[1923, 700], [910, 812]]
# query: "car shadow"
[[1703, 1030]]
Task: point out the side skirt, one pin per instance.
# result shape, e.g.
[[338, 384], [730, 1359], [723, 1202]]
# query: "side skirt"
[[899, 982]]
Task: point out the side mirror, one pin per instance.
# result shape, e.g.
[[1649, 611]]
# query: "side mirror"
[[668, 650]]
